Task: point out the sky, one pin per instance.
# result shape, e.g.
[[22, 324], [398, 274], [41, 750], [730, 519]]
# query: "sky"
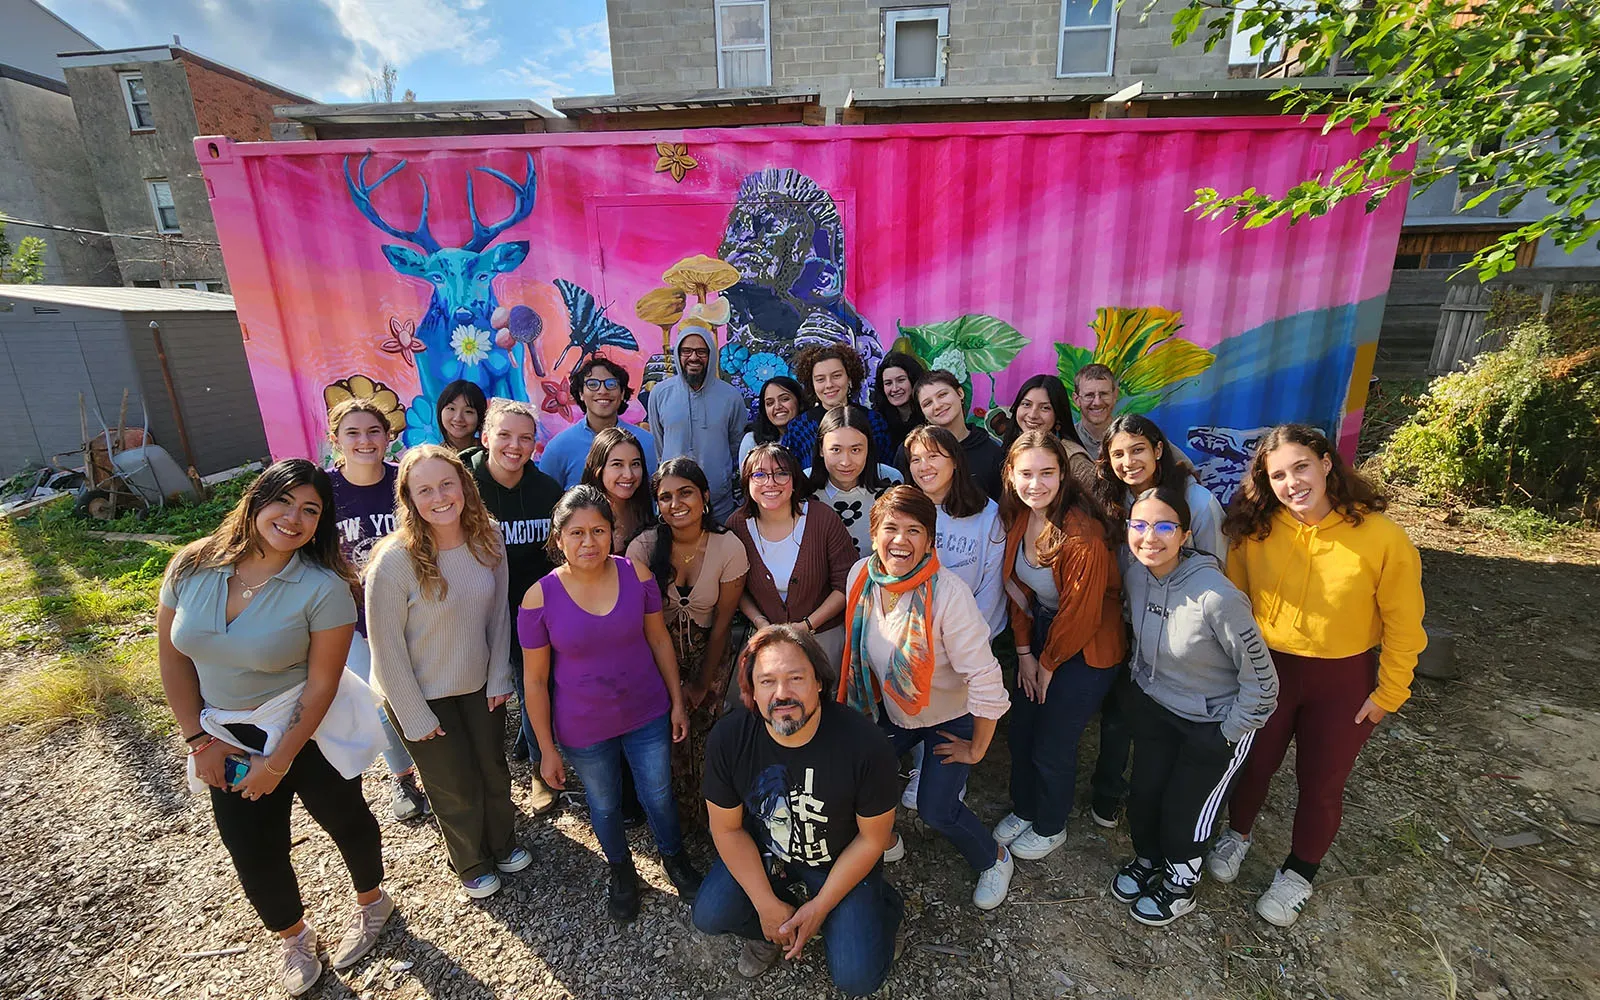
[[445, 50]]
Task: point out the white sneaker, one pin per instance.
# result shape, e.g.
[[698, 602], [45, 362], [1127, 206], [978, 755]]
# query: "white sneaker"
[[908, 798], [994, 883], [1281, 904], [301, 965], [1010, 828], [1031, 846], [896, 851], [1227, 854], [520, 859]]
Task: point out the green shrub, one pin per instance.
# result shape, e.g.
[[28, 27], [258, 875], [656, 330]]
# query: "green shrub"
[[1520, 427]]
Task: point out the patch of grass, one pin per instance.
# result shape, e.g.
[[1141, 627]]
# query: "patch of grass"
[[80, 688], [186, 520], [1525, 524]]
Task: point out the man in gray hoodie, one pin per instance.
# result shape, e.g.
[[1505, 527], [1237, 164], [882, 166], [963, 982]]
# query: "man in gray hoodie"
[[698, 415], [1204, 682]]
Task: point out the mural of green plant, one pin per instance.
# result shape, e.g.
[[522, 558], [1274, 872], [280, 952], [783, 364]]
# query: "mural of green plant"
[[963, 346], [1140, 347]]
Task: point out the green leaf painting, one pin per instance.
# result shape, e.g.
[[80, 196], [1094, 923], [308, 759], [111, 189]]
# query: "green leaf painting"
[[1141, 348], [987, 344]]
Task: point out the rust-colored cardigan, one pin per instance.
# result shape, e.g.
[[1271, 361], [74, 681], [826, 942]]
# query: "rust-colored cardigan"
[[826, 555], [1090, 618]]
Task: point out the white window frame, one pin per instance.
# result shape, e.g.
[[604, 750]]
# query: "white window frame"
[[1239, 42], [123, 79], [1111, 42], [766, 47], [155, 205], [892, 20]]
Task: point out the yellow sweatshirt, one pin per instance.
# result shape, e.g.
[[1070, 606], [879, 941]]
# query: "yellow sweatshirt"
[[1333, 590]]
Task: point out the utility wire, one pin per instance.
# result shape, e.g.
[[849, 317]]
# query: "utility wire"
[[12, 220]]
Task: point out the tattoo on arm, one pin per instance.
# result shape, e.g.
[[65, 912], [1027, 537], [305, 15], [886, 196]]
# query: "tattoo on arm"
[[294, 716]]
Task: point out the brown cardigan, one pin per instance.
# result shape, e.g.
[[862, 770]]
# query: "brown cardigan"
[[826, 555], [1090, 617]]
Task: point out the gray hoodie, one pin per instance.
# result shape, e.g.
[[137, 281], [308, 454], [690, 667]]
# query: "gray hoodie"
[[704, 424], [1196, 649]]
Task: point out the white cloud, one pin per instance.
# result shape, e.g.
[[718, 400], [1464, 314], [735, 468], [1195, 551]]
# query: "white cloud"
[[573, 52], [400, 31]]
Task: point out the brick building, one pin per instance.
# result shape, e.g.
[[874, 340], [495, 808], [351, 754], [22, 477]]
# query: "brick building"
[[139, 111]]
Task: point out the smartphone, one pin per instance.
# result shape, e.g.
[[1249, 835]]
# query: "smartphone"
[[234, 768]]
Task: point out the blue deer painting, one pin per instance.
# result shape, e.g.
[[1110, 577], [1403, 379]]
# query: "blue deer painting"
[[456, 337]]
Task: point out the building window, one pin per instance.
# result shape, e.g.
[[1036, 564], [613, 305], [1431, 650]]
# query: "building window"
[[199, 286], [1088, 37], [137, 102], [744, 57], [166, 211], [913, 46]]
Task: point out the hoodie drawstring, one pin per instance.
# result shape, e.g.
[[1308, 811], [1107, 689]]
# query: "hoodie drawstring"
[[1308, 533]]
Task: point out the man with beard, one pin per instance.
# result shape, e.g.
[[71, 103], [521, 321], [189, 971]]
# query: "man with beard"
[[695, 414], [800, 789], [601, 389]]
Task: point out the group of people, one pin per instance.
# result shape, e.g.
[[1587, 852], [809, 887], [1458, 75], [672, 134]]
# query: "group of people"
[[744, 625]]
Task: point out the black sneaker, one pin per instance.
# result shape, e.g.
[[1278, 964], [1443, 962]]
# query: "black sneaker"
[[407, 801], [1163, 904], [1134, 880], [622, 894], [683, 875]]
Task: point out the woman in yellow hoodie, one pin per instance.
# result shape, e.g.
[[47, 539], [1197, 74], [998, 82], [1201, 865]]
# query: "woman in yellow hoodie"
[[1329, 578]]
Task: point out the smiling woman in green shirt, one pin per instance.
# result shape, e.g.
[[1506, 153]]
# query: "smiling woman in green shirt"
[[255, 624]]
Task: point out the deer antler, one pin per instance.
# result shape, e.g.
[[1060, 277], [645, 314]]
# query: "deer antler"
[[361, 194], [483, 235]]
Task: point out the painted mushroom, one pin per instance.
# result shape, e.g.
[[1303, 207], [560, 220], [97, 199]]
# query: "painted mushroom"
[[701, 276], [662, 307]]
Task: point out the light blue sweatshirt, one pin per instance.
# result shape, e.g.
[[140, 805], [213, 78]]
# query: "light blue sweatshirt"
[[704, 424]]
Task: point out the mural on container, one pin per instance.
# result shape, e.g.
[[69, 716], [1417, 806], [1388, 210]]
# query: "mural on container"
[[912, 241]]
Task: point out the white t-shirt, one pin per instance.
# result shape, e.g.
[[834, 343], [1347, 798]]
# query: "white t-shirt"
[[780, 557]]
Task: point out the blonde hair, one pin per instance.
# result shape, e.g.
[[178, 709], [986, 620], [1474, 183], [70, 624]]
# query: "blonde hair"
[[343, 409], [411, 531], [499, 409]]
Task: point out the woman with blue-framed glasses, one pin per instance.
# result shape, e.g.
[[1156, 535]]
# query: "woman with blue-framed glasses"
[[1203, 684]]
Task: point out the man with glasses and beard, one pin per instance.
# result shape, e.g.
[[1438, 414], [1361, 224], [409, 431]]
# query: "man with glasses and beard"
[[800, 789], [695, 414]]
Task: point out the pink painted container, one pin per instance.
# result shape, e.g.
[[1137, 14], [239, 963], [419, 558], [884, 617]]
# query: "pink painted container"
[[1059, 241]]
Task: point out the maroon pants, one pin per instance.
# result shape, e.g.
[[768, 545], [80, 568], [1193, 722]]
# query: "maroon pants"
[[1318, 701]]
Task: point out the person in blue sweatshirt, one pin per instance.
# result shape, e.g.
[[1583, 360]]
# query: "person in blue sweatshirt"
[[1204, 682], [695, 414]]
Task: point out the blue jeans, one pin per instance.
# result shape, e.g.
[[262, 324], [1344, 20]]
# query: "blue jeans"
[[1044, 738], [648, 750], [939, 789], [857, 934], [394, 750]]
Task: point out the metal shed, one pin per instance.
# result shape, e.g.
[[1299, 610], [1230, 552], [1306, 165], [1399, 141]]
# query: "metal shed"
[[57, 341]]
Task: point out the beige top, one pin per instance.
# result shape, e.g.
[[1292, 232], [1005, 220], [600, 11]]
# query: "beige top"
[[424, 648], [725, 561]]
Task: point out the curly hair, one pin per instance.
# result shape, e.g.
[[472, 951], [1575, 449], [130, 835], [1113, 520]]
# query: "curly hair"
[[1250, 514], [412, 532], [808, 358], [1069, 495], [581, 373]]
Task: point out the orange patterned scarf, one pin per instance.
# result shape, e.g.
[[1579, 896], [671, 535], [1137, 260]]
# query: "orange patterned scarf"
[[910, 669]]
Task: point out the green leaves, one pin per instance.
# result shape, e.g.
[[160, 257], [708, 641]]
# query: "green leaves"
[[987, 344], [22, 264]]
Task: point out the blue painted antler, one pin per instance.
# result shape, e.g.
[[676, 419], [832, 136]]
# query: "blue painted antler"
[[483, 235], [361, 194]]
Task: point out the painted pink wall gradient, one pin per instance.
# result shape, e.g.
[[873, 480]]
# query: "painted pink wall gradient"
[[1037, 223]]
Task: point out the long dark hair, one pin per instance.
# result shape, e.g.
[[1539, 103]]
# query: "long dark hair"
[[784, 459], [1170, 472], [914, 369], [1069, 495], [764, 431], [641, 512], [474, 396], [236, 536], [855, 417], [661, 551], [1060, 403], [965, 497], [1250, 515]]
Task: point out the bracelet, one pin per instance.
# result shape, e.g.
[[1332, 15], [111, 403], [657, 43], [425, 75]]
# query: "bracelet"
[[273, 770], [809, 627], [202, 747], [196, 736], [1024, 652]]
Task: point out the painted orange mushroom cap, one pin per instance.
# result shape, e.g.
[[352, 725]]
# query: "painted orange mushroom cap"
[[701, 275]]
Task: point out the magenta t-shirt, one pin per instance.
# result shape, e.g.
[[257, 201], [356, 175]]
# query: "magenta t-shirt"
[[604, 680]]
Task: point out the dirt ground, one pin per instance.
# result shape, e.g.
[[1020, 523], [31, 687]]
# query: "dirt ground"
[[1467, 866]]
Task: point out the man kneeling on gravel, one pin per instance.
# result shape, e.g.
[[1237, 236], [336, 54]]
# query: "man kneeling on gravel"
[[800, 789]]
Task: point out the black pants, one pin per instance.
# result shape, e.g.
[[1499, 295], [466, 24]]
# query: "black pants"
[[1116, 740], [469, 782], [256, 832], [1182, 773]]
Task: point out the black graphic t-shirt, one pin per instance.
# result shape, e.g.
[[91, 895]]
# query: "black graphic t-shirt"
[[523, 512], [362, 515], [801, 803]]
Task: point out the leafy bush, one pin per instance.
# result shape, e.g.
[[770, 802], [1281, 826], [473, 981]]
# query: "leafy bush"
[[1520, 427]]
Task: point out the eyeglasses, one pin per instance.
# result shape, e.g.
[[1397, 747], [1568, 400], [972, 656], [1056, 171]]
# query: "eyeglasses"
[[779, 476], [593, 384], [1163, 529], [695, 352]]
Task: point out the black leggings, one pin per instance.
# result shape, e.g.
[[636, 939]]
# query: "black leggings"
[[256, 832]]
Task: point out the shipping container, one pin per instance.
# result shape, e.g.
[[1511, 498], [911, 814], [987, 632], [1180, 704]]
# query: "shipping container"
[[1003, 250]]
